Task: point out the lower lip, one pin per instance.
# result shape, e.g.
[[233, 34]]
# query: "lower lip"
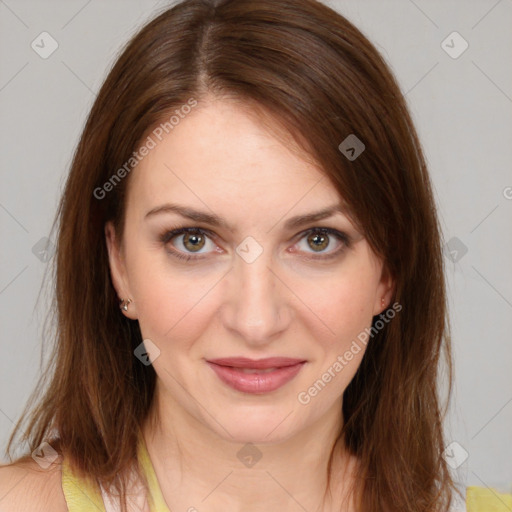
[[256, 383]]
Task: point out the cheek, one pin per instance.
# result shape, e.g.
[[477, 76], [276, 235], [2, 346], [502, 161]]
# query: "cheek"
[[341, 311], [341, 306], [171, 304]]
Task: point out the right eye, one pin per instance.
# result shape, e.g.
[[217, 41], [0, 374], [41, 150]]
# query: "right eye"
[[185, 242]]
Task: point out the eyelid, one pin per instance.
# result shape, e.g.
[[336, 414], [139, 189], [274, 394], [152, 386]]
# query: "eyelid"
[[169, 234]]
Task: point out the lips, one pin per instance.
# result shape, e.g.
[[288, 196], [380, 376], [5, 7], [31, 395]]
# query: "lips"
[[256, 375]]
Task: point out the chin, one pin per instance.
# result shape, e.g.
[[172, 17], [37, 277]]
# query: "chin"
[[255, 424]]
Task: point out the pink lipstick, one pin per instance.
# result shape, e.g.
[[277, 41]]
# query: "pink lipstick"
[[256, 375]]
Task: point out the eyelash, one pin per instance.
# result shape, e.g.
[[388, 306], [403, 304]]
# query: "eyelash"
[[168, 235]]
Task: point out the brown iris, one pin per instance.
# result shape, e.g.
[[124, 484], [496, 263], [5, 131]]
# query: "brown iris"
[[195, 240], [319, 240]]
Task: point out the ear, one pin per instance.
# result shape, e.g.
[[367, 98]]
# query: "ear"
[[118, 270], [385, 290]]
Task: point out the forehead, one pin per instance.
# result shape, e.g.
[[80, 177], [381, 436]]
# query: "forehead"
[[224, 154]]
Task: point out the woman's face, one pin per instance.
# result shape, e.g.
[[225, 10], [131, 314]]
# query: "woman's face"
[[258, 283]]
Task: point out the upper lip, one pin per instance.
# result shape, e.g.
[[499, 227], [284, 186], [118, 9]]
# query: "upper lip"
[[244, 362]]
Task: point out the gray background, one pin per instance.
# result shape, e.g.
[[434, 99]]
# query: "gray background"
[[462, 108]]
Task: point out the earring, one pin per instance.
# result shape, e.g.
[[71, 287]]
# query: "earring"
[[124, 304], [382, 302]]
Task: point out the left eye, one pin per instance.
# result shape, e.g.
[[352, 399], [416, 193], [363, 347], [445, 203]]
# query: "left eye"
[[319, 239]]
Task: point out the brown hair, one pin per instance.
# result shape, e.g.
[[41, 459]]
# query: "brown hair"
[[320, 77]]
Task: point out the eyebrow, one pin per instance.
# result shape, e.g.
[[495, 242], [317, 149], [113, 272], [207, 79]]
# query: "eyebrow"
[[215, 220]]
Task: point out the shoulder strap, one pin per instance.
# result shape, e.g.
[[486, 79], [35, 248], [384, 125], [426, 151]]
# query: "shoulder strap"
[[81, 495], [84, 495]]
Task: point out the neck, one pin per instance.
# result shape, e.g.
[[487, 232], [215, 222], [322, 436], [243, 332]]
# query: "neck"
[[199, 470]]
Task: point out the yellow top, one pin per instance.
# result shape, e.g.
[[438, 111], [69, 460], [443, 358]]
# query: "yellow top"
[[84, 495], [487, 499]]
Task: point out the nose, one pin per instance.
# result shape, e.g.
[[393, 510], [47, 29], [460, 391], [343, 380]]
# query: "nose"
[[256, 310]]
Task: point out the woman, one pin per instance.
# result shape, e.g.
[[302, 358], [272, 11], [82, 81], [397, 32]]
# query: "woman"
[[249, 281]]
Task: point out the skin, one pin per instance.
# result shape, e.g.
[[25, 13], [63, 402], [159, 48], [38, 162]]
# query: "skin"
[[220, 159]]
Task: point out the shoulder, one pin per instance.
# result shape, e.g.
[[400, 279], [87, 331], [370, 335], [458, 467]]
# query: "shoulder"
[[24, 485]]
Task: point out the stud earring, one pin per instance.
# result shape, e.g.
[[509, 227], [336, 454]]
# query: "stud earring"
[[382, 302], [124, 304]]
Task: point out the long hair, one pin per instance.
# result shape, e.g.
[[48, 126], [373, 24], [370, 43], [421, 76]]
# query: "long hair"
[[319, 77]]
